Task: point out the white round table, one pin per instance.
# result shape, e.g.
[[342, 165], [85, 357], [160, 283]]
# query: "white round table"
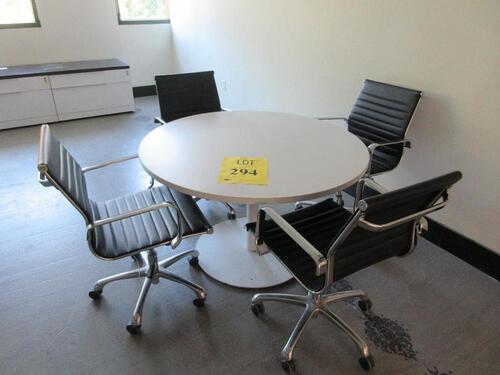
[[307, 159]]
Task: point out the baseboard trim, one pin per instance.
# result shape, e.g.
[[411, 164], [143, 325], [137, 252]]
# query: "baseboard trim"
[[139, 91], [464, 248]]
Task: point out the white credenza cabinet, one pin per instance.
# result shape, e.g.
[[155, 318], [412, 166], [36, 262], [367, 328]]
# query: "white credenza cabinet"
[[68, 91], [92, 94], [26, 101]]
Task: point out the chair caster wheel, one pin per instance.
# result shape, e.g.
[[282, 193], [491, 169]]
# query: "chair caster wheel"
[[288, 366], [231, 216], [194, 262], [199, 302], [133, 329], [257, 308], [367, 363], [95, 294], [365, 305]]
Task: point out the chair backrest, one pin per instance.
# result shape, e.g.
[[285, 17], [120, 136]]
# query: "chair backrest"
[[182, 95], [382, 113], [373, 240], [59, 167]]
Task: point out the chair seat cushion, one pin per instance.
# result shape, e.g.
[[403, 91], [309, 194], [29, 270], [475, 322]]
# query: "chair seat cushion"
[[147, 230], [319, 224]]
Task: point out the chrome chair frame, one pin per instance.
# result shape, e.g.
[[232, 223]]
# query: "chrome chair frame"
[[370, 181], [316, 302], [149, 266]]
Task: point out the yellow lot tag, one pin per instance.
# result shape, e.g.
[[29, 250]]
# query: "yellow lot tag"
[[241, 170]]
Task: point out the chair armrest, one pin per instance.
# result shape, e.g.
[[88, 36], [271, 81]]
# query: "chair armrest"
[[372, 147], [160, 121], [331, 118], [108, 163], [372, 227], [314, 254], [175, 242], [226, 109]]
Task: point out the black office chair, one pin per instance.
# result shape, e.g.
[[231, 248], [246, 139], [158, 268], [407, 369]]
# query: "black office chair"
[[324, 243], [380, 117], [131, 225], [188, 94]]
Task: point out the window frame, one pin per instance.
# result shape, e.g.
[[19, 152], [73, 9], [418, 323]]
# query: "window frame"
[[26, 24], [137, 22]]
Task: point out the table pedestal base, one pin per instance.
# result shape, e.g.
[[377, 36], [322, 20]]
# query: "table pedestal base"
[[225, 257]]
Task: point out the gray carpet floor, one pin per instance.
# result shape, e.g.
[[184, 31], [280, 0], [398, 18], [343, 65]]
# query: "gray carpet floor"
[[432, 313]]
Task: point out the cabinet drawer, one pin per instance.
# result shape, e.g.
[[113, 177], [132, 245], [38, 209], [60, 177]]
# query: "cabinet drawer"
[[95, 97], [89, 79], [13, 85], [26, 105]]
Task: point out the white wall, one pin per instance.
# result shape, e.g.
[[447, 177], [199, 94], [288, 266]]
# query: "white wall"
[[86, 30], [310, 57]]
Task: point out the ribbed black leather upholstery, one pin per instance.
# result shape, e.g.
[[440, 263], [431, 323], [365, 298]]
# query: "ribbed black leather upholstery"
[[321, 224], [318, 224], [65, 170], [143, 231], [382, 113], [182, 95], [405, 201], [125, 236]]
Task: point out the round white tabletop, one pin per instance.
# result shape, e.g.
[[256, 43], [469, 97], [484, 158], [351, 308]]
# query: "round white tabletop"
[[307, 158]]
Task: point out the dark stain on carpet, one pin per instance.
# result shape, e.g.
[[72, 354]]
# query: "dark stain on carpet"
[[435, 371], [389, 336], [386, 334]]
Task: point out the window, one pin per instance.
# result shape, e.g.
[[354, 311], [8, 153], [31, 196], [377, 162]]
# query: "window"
[[18, 13], [142, 11]]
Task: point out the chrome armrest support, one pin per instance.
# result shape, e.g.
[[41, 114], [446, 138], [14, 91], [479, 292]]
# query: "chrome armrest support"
[[372, 184], [422, 226], [352, 224], [372, 147], [42, 170], [43, 180], [331, 118], [367, 180], [160, 121], [316, 256], [175, 242], [359, 190], [108, 163], [226, 109], [372, 227]]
